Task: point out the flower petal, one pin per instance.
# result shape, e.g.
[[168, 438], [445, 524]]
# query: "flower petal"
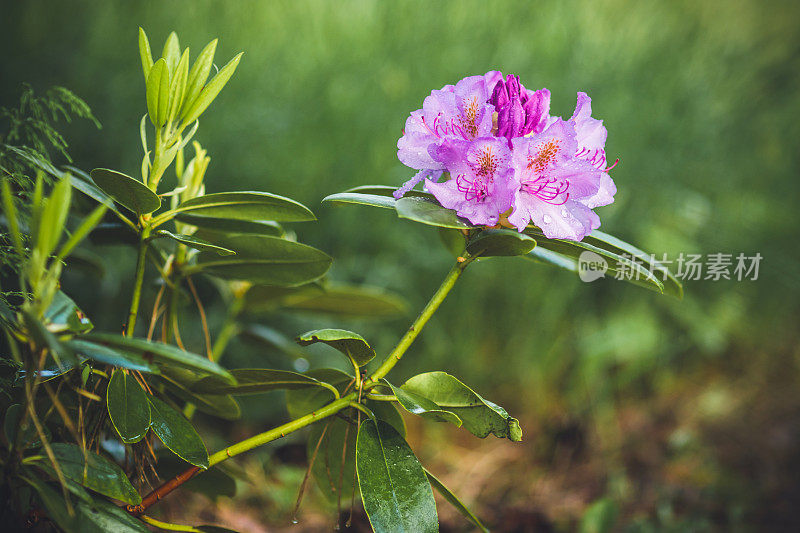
[[604, 195], [590, 132]]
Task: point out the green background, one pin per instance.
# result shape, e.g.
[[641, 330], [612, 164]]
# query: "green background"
[[701, 103]]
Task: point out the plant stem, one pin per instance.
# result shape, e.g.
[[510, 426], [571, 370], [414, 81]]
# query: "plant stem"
[[130, 325], [167, 526], [324, 412], [433, 304], [241, 447], [382, 397], [280, 431]]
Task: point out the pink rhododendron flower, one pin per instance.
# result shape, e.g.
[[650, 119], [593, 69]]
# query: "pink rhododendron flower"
[[503, 154], [459, 112], [552, 184], [481, 187]]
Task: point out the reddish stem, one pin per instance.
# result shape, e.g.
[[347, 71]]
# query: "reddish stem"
[[162, 491]]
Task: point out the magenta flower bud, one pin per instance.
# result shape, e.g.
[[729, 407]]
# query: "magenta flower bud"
[[513, 85], [507, 99], [511, 120], [499, 97], [537, 110]]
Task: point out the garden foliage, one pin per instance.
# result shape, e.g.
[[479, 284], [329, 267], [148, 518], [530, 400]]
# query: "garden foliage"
[[91, 416]]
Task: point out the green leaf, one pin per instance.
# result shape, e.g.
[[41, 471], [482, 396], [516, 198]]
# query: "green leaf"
[[672, 284], [422, 406], [98, 473], [373, 200], [334, 299], [171, 52], [126, 190], [355, 301], [158, 92], [53, 216], [327, 468], [394, 488], [479, 416], [110, 356], [549, 257], [263, 259], [453, 240], [231, 225], [340, 436], [352, 345], [254, 381], [500, 242], [163, 354], [219, 405], [145, 53], [73, 487], [373, 195], [448, 495], [569, 254], [268, 298], [177, 86], [211, 90], [388, 190], [128, 407], [178, 434], [430, 213], [194, 242], [615, 252], [387, 412], [84, 183], [64, 315], [243, 205], [102, 516], [90, 516], [198, 75]]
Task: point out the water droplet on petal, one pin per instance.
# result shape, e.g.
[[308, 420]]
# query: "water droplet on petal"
[[546, 219]]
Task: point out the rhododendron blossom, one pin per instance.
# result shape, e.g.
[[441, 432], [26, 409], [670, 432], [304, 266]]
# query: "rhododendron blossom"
[[506, 160], [481, 185]]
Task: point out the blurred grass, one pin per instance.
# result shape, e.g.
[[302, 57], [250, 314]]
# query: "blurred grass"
[[700, 100]]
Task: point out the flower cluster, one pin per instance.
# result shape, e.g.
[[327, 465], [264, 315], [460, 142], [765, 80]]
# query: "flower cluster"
[[507, 161]]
